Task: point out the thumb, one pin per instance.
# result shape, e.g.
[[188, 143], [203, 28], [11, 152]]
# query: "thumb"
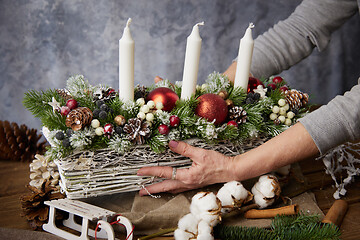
[[184, 149]]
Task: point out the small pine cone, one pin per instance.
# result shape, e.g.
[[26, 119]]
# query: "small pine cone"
[[296, 99], [64, 94], [141, 92], [79, 118], [238, 114], [19, 143], [104, 93], [34, 208], [137, 130]]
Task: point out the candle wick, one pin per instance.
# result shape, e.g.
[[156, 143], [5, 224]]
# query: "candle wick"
[[200, 23], [128, 22], [251, 25]]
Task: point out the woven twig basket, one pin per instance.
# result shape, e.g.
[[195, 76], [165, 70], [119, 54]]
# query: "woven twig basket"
[[94, 173]]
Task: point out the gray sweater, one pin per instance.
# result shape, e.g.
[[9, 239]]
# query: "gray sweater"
[[293, 39]]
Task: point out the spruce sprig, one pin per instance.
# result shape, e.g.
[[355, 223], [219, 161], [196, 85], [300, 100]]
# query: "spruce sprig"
[[297, 227], [237, 95]]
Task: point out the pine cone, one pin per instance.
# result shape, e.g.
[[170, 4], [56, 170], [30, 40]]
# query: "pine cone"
[[79, 118], [141, 92], [296, 99], [137, 130], [104, 94], [19, 143], [64, 94], [34, 209], [238, 114]]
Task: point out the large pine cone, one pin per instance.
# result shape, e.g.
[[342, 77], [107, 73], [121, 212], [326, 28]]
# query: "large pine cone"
[[34, 208], [137, 130], [296, 99], [79, 118], [19, 143]]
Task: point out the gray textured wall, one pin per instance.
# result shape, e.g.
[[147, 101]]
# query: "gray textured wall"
[[43, 42]]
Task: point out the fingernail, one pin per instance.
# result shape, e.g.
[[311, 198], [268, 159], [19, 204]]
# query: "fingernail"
[[173, 144], [139, 174]]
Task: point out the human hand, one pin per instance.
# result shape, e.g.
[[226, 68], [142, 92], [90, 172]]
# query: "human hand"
[[208, 167]]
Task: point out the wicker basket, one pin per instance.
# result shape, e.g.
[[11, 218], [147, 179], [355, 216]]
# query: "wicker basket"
[[102, 172]]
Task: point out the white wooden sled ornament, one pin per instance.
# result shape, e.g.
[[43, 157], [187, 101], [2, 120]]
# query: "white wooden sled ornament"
[[88, 213]]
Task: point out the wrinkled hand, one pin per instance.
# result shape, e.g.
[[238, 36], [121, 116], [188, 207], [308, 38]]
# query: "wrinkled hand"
[[208, 167]]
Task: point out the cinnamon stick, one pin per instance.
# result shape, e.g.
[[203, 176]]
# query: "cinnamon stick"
[[336, 213], [270, 213]]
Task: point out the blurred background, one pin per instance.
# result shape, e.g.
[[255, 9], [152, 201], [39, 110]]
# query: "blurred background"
[[43, 42]]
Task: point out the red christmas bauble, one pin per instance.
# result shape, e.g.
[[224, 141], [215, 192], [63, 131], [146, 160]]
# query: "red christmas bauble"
[[174, 121], [108, 128], [164, 129], [277, 79], [212, 106], [164, 95], [72, 104], [284, 88], [253, 83]]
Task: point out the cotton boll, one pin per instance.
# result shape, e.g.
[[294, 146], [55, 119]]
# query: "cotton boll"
[[180, 234], [205, 236], [204, 228], [233, 194], [283, 171], [189, 223], [266, 190], [206, 206]]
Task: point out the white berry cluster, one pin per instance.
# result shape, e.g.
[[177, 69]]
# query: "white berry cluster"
[[41, 170], [206, 208], [281, 113], [148, 109]]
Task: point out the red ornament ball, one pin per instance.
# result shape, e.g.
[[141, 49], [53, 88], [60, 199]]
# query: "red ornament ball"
[[211, 106], [272, 85], [64, 110], [164, 129], [253, 83], [232, 123], [174, 121], [284, 88], [277, 79], [108, 129], [72, 104], [164, 95]]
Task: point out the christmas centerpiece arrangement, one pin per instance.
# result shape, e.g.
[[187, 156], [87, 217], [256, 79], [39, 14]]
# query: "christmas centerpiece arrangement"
[[100, 137], [99, 141]]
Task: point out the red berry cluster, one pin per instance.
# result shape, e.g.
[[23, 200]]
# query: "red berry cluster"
[[277, 82], [165, 129], [70, 105]]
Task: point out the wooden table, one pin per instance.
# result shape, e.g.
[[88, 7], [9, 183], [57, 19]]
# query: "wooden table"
[[15, 175]]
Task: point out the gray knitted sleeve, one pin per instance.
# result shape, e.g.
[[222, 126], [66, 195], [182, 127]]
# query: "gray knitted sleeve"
[[337, 122], [293, 39]]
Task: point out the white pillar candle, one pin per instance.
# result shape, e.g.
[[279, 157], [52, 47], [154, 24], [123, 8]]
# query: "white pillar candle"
[[191, 64], [126, 65], [244, 59]]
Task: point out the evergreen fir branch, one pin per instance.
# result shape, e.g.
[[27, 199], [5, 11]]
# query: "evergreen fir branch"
[[185, 108], [157, 142], [119, 144], [217, 82], [116, 105], [99, 142], [37, 101], [297, 227], [177, 88], [53, 120], [228, 133], [276, 95], [237, 95], [86, 100], [243, 233], [78, 86]]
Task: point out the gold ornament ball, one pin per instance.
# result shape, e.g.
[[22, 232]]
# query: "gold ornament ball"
[[212, 107], [120, 120], [229, 103], [223, 94]]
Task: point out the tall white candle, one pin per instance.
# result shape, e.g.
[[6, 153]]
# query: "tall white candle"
[[244, 59], [191, 64], [126, 65]]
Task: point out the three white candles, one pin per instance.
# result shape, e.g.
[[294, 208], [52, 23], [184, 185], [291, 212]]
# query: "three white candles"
[[191, 64], [244, 59], [126, 65]]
